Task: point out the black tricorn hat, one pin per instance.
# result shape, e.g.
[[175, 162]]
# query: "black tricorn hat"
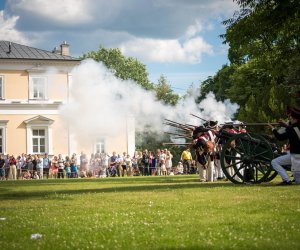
[[210, 123], [199, 129], [294, 111]]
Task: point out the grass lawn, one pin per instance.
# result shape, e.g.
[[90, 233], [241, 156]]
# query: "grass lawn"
[[175, 212]]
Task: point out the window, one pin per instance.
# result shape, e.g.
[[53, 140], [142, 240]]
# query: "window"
[[39, 135], [38, 88], [3, 124], [38, 141], [100, 146], [1, 87]]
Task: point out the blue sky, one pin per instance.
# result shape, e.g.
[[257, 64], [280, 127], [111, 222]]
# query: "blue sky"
[[175, 38]]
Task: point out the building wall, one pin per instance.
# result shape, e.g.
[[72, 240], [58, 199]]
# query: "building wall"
[[16, 84], [16, 140], [16, 90]]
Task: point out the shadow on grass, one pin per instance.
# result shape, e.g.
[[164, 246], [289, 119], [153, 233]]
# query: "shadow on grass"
[[122, 185]]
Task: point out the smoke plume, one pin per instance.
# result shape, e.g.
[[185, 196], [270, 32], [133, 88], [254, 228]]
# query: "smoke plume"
[[100, 103]]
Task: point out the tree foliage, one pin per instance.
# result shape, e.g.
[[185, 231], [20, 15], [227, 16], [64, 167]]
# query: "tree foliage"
[[164, 92], [123, 67], [264, 55]]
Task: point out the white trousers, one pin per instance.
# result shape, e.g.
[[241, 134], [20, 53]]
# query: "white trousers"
[[288, 159], [206, 174]]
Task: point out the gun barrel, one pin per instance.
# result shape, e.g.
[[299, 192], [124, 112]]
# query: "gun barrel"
[[261, 123], [174, 143], [199, 117], [253, 124]]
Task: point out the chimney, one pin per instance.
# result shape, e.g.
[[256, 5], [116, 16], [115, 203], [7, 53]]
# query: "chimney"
[[65, 49]]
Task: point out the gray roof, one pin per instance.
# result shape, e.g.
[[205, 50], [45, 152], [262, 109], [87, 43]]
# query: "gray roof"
[[24, 52]]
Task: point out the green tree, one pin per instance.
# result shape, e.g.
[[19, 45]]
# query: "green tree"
[[268, 31], [123, 67], [264, 55], [164, 92]]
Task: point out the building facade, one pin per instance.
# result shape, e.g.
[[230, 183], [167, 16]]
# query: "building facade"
[[34, 83]]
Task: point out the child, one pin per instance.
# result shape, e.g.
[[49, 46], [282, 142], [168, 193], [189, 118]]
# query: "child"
[[179, 168], [36, 176], [68, 169], [163, 167]]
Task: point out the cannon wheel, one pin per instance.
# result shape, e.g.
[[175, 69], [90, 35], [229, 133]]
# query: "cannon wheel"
[[246, 158]]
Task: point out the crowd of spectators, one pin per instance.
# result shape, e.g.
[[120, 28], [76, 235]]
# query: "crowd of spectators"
[[38, 166]]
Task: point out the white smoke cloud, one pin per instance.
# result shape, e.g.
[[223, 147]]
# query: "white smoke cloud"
[[100, 103]]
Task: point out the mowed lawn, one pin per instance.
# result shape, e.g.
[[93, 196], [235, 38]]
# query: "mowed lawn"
[[177, 212]]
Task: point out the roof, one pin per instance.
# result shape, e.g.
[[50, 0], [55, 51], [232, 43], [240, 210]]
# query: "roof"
[[19, 51]]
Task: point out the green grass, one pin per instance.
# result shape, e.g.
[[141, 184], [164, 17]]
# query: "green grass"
[[148, 213]]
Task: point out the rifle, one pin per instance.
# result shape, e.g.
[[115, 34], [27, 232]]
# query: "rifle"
[[199, 118], [180, 135], [252, 123], [179, 125]]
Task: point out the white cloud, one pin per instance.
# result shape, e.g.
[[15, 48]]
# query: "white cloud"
[[192, 30], [8, 31], [67, 11], [167, 51]]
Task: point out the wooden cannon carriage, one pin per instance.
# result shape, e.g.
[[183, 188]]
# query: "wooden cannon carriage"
[[246, 157]]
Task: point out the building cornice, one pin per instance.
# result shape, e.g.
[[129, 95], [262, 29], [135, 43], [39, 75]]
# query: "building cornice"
[[30, 106], [14, 64]]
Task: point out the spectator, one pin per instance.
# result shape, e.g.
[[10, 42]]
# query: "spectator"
[[169, 158], [68, 166], [152, 163], [145, 162], [54, 167], [12, 168], [46, 165], [113, 165], [19, 167], [7, 167], [128, 163], [74, 168], [39, 167], [186, 159], [2, 168], [61, 167]]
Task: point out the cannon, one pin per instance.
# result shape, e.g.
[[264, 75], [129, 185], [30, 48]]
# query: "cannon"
[[244, 157]]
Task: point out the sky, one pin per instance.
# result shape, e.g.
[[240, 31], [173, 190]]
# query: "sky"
[[175, 38]]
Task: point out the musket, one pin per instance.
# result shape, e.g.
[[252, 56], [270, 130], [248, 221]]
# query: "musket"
[[252, 124], [181, 135], [199, 118], [174, 143], [261, 124], [178, 125]]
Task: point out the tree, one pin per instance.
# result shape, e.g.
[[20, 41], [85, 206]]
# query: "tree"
[[268, 31], [164, 92], [123, 67], [264, 55]]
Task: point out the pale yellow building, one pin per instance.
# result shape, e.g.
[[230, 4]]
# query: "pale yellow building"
[[33, 85]]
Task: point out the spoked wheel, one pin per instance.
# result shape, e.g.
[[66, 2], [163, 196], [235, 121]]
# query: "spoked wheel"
[[246, 158]]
